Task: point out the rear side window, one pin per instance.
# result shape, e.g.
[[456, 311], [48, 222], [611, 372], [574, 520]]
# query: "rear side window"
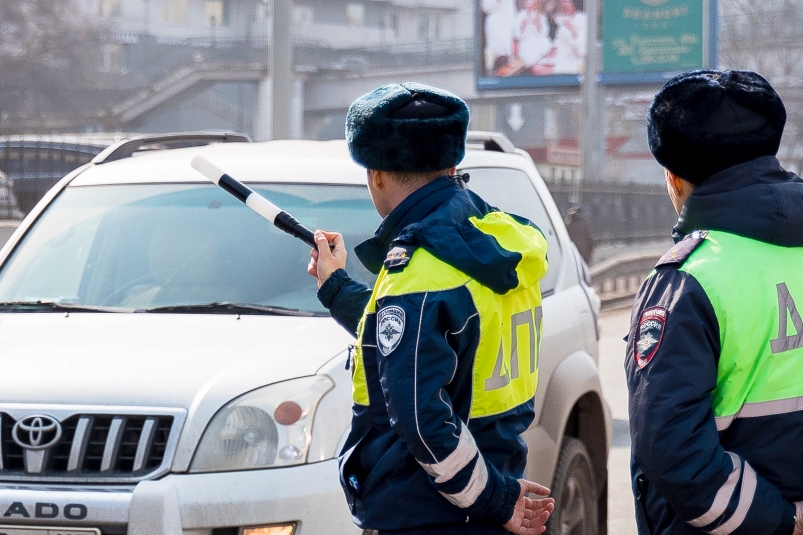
[[512, 191]]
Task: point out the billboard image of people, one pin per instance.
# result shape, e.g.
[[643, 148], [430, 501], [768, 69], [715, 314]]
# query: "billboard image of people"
[[523, 39]]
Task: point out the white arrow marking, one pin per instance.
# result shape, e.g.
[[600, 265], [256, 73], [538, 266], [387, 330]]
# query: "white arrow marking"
[[516, 118]]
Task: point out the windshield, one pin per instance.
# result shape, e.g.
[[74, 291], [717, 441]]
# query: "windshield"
[[144, 246], [193, 247]]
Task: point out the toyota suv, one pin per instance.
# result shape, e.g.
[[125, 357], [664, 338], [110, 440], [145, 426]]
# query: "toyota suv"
[[167, 367]]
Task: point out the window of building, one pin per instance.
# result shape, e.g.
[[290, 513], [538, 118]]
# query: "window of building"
[[176, 11], [393, 24], [355, 14], [302, 15], [110, 8], [429, 27], [218, 12], [423, 27], [112, 58]]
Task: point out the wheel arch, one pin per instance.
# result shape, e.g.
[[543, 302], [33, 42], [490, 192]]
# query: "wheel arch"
[[573, 406]]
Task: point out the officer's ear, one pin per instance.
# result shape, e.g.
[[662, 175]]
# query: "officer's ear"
[[679, 189], [674, 183], [377, 179]]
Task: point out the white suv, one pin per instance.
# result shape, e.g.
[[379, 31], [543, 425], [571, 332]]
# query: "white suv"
[[167, 367]]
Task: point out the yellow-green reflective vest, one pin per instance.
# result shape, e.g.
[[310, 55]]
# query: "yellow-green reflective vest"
[[505, 371], [755, 289]]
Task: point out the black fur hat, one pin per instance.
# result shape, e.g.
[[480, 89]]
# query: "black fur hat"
[[407, 127], [702, 122]]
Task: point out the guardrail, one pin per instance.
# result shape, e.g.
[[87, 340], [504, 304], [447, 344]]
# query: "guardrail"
[[619, 212], [617, 279]]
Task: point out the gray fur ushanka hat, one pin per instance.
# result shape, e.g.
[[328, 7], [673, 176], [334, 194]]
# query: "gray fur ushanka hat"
[[407, 127], [702, 122]]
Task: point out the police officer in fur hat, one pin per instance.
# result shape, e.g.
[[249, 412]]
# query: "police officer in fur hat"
[[434, 446], [715, 349]]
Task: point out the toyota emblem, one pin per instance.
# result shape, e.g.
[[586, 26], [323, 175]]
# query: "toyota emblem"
[[36, 432]]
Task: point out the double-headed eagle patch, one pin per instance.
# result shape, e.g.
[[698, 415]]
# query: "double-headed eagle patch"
[[650, 332], [389, 329]]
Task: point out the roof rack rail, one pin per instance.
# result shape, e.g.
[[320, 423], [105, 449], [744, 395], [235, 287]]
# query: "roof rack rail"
[[493, 141], [127, 147]]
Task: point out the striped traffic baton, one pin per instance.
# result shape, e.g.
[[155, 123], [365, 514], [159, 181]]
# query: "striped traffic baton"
[[256, 202]]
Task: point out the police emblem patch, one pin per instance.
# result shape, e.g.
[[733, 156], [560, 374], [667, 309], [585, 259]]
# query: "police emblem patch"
[[650, 332], [389, 329]]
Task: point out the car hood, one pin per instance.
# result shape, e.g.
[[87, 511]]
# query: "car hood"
[[193, 362], [165, 360]]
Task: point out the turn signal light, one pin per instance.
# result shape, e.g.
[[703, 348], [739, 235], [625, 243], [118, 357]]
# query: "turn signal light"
[[288, 413], [286, 529]]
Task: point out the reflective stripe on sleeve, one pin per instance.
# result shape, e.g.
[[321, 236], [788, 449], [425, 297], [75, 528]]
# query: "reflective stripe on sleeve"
[[723, 496], [749, 483], [762, 408], [457, 460], [467, 496]]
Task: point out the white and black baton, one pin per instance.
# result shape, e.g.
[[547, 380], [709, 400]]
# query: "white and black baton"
[[256, 202]]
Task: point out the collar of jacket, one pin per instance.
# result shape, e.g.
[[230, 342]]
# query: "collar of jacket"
[[757, 199], [413, 209]]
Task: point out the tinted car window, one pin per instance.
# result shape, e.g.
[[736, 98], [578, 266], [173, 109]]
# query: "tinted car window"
[[145, 246], [512, 191]]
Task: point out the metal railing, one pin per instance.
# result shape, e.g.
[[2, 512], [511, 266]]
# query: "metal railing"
[[383, 57], [617, 279], [35, 163], [619, 212]]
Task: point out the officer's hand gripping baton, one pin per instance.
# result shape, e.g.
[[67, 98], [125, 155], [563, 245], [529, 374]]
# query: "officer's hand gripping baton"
[[256, 202]]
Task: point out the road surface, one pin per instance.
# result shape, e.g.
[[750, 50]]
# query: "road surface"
[[621, 520]]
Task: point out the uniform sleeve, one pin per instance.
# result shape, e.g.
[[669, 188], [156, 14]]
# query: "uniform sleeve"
[[438, 329], [345, 298], [672, 353]]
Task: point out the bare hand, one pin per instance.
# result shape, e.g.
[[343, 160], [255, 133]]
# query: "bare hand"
[[530, 515], [799, 516], [324, 261]]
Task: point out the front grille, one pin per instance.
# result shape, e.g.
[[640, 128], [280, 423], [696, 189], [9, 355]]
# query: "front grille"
[[91, 447]]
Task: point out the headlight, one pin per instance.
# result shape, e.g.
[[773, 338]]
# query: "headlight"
[[269, 427]]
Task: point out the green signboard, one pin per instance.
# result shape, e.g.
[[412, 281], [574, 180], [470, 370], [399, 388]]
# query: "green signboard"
[[653, 35]]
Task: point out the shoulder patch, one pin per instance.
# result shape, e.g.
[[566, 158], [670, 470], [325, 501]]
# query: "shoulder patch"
[[389, 329], [650, 332], [398, 257], [683, 249]]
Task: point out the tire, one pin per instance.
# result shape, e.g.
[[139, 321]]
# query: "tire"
[[575, 492]]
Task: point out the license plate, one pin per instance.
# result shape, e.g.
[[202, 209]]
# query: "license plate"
[[46, 530]]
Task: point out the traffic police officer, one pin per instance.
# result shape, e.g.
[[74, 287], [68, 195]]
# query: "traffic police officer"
[[446, 361], [715, 349]]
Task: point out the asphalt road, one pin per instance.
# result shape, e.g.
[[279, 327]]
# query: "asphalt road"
[[614, 387]]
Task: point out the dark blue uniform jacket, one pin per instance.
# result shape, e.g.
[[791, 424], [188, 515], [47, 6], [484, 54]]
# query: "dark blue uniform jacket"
[[385, 485], [679, 459]]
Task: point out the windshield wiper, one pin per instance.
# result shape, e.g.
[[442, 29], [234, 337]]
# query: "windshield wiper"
[[235, 308], [55, 306]]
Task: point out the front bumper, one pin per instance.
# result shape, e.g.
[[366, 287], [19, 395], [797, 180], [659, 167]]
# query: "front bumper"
[[190, 504]]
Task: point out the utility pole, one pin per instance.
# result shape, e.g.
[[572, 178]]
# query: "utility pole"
[[592, 140], [281, 69]]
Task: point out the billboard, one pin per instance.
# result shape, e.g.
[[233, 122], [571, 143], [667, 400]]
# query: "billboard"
[[643, 36], [524, 43], [541, 43]]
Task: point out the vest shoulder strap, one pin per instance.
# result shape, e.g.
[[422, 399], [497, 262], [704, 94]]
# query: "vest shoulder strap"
[[678, 254]]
